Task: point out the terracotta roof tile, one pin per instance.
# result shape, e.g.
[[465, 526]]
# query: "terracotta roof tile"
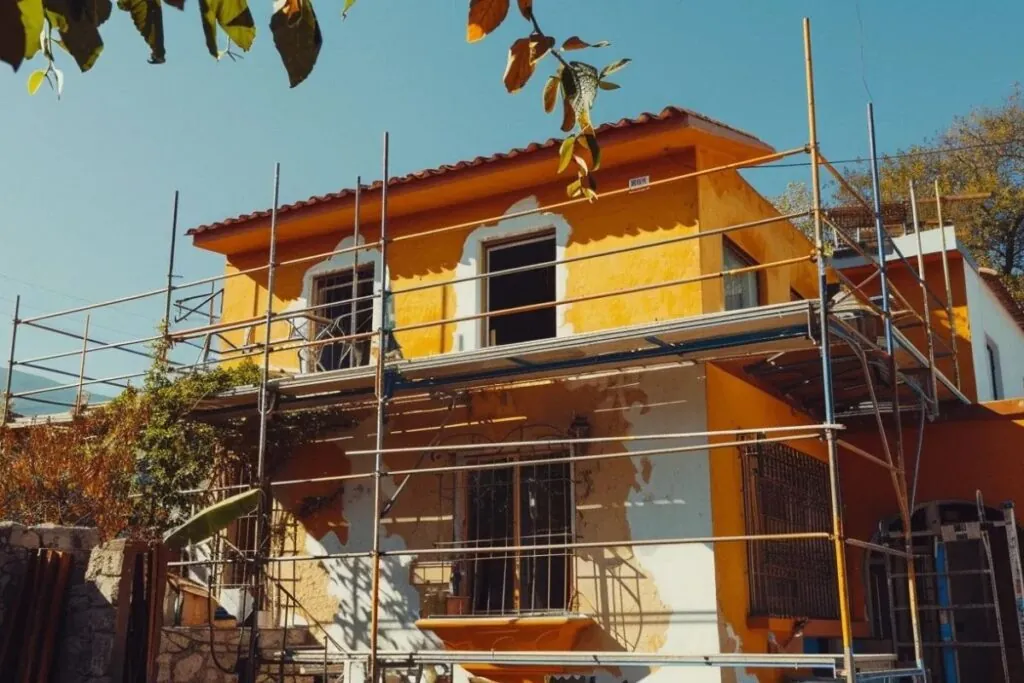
[[665, 114]]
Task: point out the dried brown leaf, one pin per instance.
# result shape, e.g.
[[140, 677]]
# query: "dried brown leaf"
[[484, 17]]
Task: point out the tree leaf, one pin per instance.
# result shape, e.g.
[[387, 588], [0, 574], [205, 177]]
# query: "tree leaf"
[[576, 43], [484, 17], [582, 163], [148, 17], [21, 22], [58, 76], [575, 188], [297, 40], [526, 9], [565, 153], [78, 23], [614, 66], [595, 150], [522, 60], [35, 79], [233, 16], [568, 115], [608, 85], [346, 8], [551, 93]]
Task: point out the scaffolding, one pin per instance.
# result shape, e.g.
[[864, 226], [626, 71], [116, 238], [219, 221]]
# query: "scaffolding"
[[855, 346]]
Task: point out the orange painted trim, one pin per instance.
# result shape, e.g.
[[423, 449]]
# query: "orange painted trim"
[[815, 628], [489, 634]]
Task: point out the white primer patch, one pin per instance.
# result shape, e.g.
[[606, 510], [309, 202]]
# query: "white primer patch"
[[469, 296], [672, 501]]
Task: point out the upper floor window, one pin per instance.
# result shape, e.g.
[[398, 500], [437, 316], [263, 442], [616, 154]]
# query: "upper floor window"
[[786, 491], [742, 290], [995, 373], [340, 303], [522, 286]]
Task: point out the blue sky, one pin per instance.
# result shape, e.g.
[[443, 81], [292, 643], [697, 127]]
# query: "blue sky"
[[89, 180]]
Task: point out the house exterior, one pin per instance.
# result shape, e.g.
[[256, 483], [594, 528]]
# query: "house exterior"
[[592, 409]]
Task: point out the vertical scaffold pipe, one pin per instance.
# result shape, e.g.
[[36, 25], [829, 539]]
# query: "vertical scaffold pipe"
[[382, 404], [838, 539]]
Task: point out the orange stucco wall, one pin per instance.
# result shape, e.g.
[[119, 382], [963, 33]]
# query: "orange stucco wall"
[[735, 404]]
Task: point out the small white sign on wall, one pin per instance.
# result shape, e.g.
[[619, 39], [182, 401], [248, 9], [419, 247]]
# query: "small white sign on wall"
[[640, 183]]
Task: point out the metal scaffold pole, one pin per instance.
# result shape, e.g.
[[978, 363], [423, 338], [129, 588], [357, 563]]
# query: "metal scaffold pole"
[[382, 399], [262, 530], [883, 271], [5, 409], [170, 269], [901, 489], [926, 304], [950, 315], [838, 538]]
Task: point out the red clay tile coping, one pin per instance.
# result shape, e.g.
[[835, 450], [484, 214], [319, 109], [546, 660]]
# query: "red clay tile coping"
[[666, 114]]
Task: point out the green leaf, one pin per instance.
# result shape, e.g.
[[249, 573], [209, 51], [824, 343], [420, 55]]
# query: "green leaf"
[[209, 521], [231, 15], [551, 93], [21, 23], [595, 150], [608, 85], [565, 153], [614, 66], [78, 23], [581, 162], [346, 8], [575, 188], [35, 79], [148, 17], [298, 40]]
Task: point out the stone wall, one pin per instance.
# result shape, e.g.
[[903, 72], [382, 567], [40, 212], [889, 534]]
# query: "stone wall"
[[87, 650], [186, 656]]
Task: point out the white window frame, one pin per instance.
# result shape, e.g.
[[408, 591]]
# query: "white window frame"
[[497, 244], [308, 360]]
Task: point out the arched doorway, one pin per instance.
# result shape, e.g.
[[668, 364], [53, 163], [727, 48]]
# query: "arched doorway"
[[962, 642]]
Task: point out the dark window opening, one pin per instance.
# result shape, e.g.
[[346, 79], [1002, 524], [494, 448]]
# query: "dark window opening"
[[519, 506], [742, 290], [521, 288], [992, 351], [333, 297], [787, 491]]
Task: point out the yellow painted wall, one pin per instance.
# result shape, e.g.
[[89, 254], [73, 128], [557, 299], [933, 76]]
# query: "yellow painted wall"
[[727, 199]]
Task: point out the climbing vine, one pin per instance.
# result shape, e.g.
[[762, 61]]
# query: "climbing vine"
[[126, 467]]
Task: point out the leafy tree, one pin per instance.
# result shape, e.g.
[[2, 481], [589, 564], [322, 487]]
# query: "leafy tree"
[[794, 199], [982, 152], [123, 467]]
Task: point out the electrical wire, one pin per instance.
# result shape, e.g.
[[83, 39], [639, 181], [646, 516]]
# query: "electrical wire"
[[901, 155]]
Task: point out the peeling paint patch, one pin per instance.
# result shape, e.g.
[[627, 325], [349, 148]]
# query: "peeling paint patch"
[[741, 675]]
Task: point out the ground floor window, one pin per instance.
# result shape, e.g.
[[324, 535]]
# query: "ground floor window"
[[517, 507], [787, 491]]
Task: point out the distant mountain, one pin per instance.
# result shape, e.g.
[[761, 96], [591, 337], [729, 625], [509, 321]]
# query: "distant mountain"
[[25, 381]]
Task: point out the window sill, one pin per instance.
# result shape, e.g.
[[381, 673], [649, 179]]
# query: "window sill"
[[815, 628], [513, 633]]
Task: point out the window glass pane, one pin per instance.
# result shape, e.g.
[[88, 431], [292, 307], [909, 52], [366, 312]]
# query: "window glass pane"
[[741, 291]]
